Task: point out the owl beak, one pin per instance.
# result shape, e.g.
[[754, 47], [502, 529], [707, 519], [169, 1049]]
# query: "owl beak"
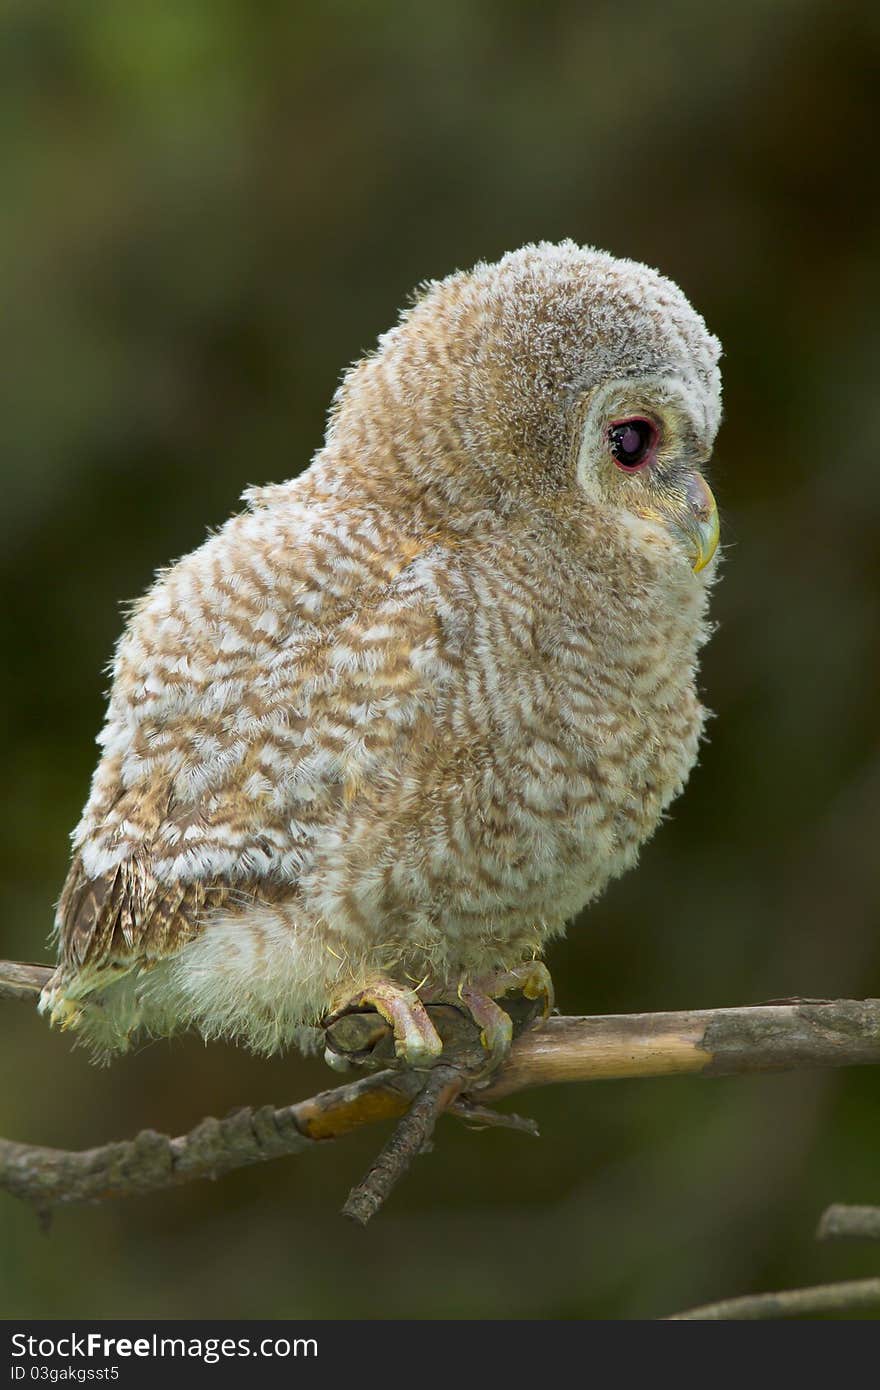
[[698, 522]]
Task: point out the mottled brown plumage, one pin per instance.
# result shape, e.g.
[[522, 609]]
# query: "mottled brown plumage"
[[406, 714]]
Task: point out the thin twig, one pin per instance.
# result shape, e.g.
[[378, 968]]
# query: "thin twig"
[[410, 1138], [849, 1223], [846, 1297], [483, 1117]]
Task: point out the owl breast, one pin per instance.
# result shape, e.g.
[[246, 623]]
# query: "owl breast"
[[419, 762], [565, 720]]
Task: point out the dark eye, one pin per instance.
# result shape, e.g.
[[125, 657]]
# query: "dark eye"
[[632, 442]]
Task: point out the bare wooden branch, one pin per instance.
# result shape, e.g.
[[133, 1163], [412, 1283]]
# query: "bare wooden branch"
[[846, 1297], [849, 1223], [53, 1177], [788, 1035], [711, 1042], [705, 1042], [20, 980]]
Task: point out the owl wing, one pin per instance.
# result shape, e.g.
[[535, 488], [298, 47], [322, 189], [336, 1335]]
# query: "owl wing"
[[264, 683]]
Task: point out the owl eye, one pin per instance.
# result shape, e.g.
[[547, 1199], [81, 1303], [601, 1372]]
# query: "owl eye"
[[632, 443]]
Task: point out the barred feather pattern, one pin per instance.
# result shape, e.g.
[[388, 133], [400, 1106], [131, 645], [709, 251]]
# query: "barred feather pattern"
[[408, 713]]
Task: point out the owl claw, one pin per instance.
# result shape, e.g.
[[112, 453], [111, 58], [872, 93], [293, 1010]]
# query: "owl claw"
[[63, 1012], [496, 1026], [416, 1041], [480, 998], [531, 978]]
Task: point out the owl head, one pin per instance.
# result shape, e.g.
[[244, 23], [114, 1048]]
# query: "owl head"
[[558, 377]]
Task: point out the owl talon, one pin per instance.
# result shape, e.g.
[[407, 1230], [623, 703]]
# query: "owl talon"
[[496, 1026], [416, 1041], [531, 979], [479, 1000], [338, 1061]]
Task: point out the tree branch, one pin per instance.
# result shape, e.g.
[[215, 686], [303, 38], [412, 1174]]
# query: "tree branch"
[[849, 1223], [845, 1297], [799, 1035], [19, 980], [130, 1167], [709, 1042]]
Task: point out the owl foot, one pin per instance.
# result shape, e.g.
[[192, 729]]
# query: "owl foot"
[[357, 1032], [416, 1041], [479, 999], [531, 978]]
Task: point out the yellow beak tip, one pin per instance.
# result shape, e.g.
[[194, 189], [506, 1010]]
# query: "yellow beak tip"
[[707, 544]]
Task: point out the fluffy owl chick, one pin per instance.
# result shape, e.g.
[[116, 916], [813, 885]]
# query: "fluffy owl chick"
[[379, 737]]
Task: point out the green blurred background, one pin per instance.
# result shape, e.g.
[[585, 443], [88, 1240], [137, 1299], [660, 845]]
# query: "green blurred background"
[[209, 209]]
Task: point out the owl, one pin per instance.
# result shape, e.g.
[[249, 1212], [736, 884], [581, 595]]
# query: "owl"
[[379, 738]]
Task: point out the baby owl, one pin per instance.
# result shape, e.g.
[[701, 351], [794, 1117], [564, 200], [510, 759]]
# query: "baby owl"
[[377, 739]]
